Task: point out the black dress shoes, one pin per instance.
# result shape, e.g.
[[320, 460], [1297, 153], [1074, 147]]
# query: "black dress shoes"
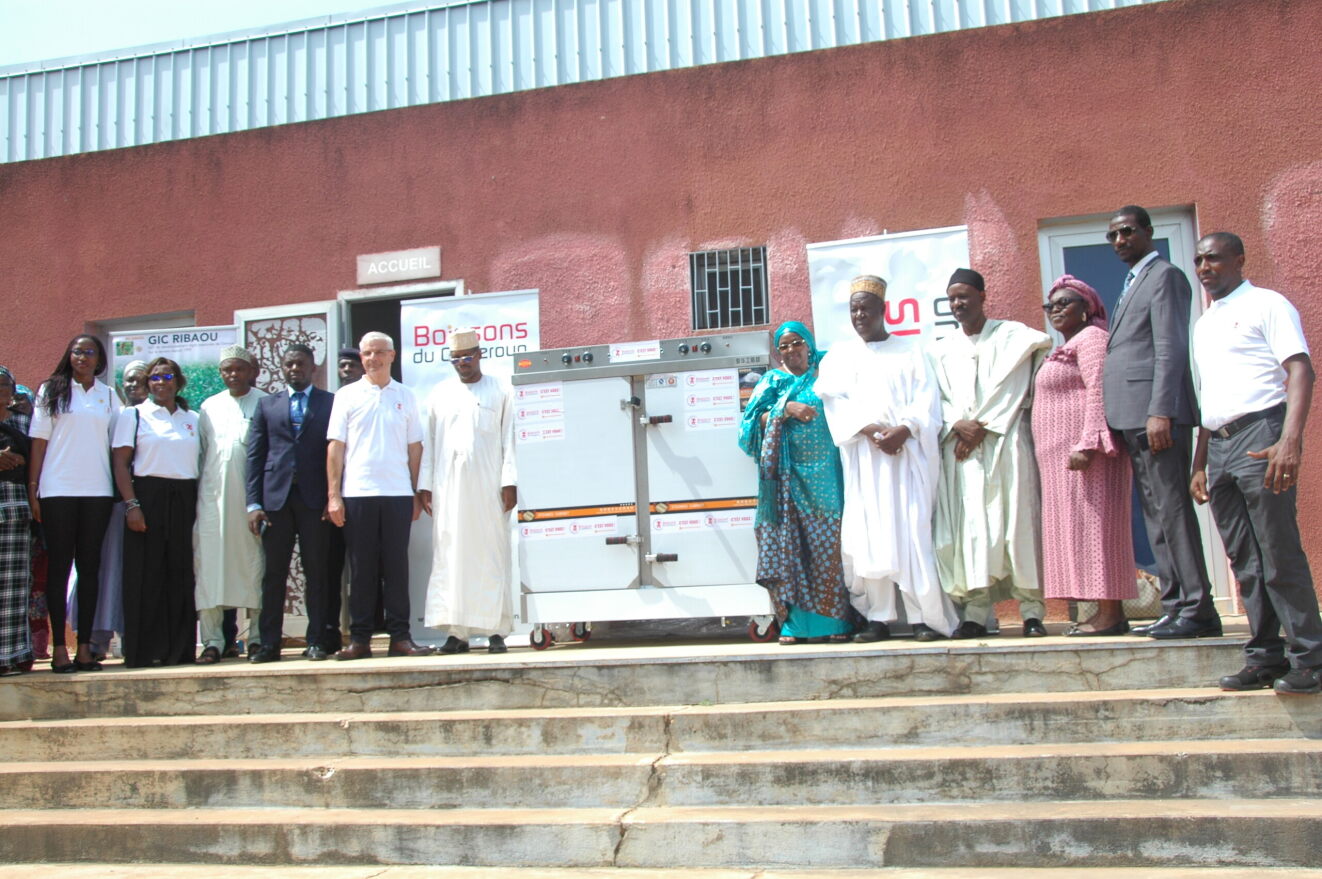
[[315, 653], [875, 630], [264, 654], [924, 632], [496, 644], [970, 629], [1254, 677], [355, 650], [1033, 628], [406, 647], [1185, 628], [454, 645], [1164, 620]]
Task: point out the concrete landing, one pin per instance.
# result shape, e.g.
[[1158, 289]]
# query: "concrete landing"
[[581, 675]]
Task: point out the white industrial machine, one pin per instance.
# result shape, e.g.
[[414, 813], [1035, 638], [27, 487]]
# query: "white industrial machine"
[[636, 502]]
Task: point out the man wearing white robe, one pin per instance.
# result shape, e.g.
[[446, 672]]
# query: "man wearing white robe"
[[467, 483], [227, 556], [883, 409], [987, 531]]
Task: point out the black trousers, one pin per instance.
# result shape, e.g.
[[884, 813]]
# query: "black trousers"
[[160, 616], [335, 574], [1261, 534], [376, 533], [1172, 526], [297, 520], [74, 528]]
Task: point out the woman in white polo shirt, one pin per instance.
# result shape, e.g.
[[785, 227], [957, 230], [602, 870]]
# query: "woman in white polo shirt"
[[155, 461], [69, 488]]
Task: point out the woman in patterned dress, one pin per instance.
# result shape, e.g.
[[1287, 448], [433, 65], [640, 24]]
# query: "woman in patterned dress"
[[800, 496], [15, 538], [1087, 548]]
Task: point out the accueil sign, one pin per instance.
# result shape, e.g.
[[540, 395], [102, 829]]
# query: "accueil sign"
[[399, 265]]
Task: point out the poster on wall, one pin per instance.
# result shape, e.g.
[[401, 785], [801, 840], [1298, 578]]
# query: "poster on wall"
[[507, 324], [916, 266], [195, 349]]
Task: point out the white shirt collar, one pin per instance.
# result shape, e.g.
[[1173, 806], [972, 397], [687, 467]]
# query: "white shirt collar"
[[1142, 263], [1243, 288]]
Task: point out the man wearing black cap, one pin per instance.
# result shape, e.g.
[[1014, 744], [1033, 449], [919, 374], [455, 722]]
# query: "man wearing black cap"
[[349, 366], [987, 533]]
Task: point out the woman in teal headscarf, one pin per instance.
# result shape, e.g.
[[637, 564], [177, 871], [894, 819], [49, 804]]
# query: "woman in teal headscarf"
[[800, 496]]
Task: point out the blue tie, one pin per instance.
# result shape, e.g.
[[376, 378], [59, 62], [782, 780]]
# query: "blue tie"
[[296, 410], [1124, 290]]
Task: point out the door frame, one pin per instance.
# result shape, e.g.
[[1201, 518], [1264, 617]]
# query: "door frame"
[[1179, 226]]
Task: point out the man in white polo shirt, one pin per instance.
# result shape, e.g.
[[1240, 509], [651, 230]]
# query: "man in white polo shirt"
[[1256, 383], [372, 465]]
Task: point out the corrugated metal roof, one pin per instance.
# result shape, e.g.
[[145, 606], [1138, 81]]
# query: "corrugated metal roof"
[[439, 51]]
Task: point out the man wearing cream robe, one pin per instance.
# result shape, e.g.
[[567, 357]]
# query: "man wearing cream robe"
[[883, 409], [467, 484], [228, 560], [987, 531]]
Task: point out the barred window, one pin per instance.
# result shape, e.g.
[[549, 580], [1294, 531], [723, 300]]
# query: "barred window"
[[729, 288]]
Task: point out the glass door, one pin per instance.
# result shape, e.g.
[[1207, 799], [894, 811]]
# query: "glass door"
[[1079, 248]]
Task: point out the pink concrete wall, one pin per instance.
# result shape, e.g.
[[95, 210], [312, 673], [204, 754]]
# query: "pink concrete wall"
[[596, 193]]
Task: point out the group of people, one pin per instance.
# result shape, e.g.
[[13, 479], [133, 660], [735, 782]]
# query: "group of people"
[[174, 519], [941, 479], [990, 465]]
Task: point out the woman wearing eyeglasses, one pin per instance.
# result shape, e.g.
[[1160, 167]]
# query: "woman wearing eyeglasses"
[[69, 487], [1087, 549], [156, 464], [800, 496]]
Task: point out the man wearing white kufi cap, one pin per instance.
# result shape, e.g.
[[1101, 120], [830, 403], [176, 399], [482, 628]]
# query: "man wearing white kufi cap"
[[228, 557], [467, 484]]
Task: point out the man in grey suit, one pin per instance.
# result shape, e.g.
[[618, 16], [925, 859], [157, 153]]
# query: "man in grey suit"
[[1148, 393]]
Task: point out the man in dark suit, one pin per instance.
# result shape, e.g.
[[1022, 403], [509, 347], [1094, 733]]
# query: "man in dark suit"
[[1147, 388], [287, 499]]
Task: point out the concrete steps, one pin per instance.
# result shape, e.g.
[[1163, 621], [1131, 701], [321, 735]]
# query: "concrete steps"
[[1114, 833], [586, 760], [890, 722], [993, 773], [232, 871]]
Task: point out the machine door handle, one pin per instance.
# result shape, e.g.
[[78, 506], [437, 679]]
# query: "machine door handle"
[[629, 540], [662, 556], [660, 419]]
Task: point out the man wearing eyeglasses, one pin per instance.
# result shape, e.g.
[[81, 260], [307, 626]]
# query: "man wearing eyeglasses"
[[1147, 390], [467, 485]]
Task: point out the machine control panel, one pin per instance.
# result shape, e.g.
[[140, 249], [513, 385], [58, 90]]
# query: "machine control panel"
[[641, 358]]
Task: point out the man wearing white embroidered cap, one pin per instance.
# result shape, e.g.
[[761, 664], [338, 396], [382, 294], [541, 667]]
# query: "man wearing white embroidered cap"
[[467, 484]]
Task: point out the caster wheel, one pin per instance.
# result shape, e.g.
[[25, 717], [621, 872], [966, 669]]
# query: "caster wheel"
[[764, 631], [540, 639], [580, 631]]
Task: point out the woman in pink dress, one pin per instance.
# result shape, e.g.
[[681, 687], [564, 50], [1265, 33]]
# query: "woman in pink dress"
[[1087, 550]]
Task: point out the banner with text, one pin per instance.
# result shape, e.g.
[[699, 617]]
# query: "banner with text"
[[195, 349], [916, 266], [506, 323]]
